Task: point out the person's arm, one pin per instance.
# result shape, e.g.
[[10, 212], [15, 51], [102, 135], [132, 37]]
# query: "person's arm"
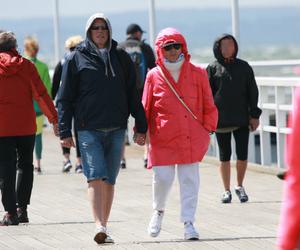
[[56, 80], [66, 97], [254, 110], [149, 55], [46, 79], [135, 105], [210, 112], [42, 97], [210, 73], [289, 226]]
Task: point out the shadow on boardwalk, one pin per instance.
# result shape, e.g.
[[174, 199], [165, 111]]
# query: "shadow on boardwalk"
[[60, 215]]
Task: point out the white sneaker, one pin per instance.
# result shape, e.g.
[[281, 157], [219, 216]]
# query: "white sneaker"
[[109, 239], [190, 233], [155, 223], [100, 234]]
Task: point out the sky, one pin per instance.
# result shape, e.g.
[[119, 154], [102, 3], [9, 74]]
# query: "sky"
[[18, 9]]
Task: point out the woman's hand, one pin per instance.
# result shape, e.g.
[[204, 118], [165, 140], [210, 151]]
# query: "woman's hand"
[[139, 138], [67, 142], [55, 129], [253, 124]]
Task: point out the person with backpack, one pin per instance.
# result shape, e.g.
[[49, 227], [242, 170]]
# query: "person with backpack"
[[143, 59], [98, 89]]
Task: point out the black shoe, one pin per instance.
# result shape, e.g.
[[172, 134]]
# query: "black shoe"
[[67, 166], [145, 162], [226, 197], [22, 215], [240, 192], [78, 169], [282, 175], [38, 170], [9, 220], [123, 163]]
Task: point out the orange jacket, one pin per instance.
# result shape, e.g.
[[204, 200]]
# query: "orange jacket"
[[289, 228], [19, 85], [175, 136]]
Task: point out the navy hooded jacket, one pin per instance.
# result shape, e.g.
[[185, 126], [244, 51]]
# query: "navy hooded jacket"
[[99, 94]]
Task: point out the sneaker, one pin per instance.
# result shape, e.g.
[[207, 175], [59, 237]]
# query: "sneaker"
[[155, 223], [190, 233], [109, 239], [67, 166], [282, 175], [226, 197], [22, 215], [38, 170], [100, 235], [145, 162], [9, 220], [123, 163], [78, 169], [240, 192]]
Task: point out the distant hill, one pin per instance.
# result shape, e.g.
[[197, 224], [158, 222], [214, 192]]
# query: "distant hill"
[[264, 29]]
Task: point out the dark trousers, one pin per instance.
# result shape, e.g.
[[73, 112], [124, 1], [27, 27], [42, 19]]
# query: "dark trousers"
[[16, 152], [241, 137]]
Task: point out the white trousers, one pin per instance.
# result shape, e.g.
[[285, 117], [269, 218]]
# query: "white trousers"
[[188, 177]]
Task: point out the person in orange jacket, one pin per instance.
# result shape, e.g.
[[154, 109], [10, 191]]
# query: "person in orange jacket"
[[289, 227], [19, 84], [178, 133]]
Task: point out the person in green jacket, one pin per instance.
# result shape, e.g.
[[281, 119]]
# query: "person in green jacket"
[[31, 49]]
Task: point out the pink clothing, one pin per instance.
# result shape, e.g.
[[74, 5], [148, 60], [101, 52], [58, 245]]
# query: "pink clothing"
[[289, 228], [175, 136]]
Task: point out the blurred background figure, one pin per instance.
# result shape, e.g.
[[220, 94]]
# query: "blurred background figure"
[[31, 49], [143, 59], [70, 45], [235, 94], [289, 227], [19, 83]]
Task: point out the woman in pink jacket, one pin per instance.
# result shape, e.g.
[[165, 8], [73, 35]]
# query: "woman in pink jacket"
[[181, 113], [289, 228]]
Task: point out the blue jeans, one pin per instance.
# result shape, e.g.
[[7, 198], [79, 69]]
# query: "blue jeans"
[[101, 153]]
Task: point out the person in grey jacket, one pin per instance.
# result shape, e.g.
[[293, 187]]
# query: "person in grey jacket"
[[98, 89], [236, 95]]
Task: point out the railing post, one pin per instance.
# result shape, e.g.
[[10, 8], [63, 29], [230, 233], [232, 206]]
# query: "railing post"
[[265, 138]]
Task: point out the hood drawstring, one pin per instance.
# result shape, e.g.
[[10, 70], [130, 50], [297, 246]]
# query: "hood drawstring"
[[106, 55], [110, 66]]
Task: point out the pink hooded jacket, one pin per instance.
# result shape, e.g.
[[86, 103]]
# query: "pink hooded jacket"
[[175, 136], [289, 228]]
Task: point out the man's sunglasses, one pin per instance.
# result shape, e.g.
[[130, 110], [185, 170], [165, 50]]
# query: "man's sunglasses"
[[99, 27], [176, 46]]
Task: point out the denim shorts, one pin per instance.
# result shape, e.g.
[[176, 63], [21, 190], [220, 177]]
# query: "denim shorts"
[[101, 153]]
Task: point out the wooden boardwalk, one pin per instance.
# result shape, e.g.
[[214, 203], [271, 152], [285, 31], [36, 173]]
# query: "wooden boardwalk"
[[60, 215]]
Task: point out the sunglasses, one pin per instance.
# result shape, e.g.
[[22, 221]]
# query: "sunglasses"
[[176, 46], [99, 27]]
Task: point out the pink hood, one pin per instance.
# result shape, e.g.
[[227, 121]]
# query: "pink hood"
[[166, 36]]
